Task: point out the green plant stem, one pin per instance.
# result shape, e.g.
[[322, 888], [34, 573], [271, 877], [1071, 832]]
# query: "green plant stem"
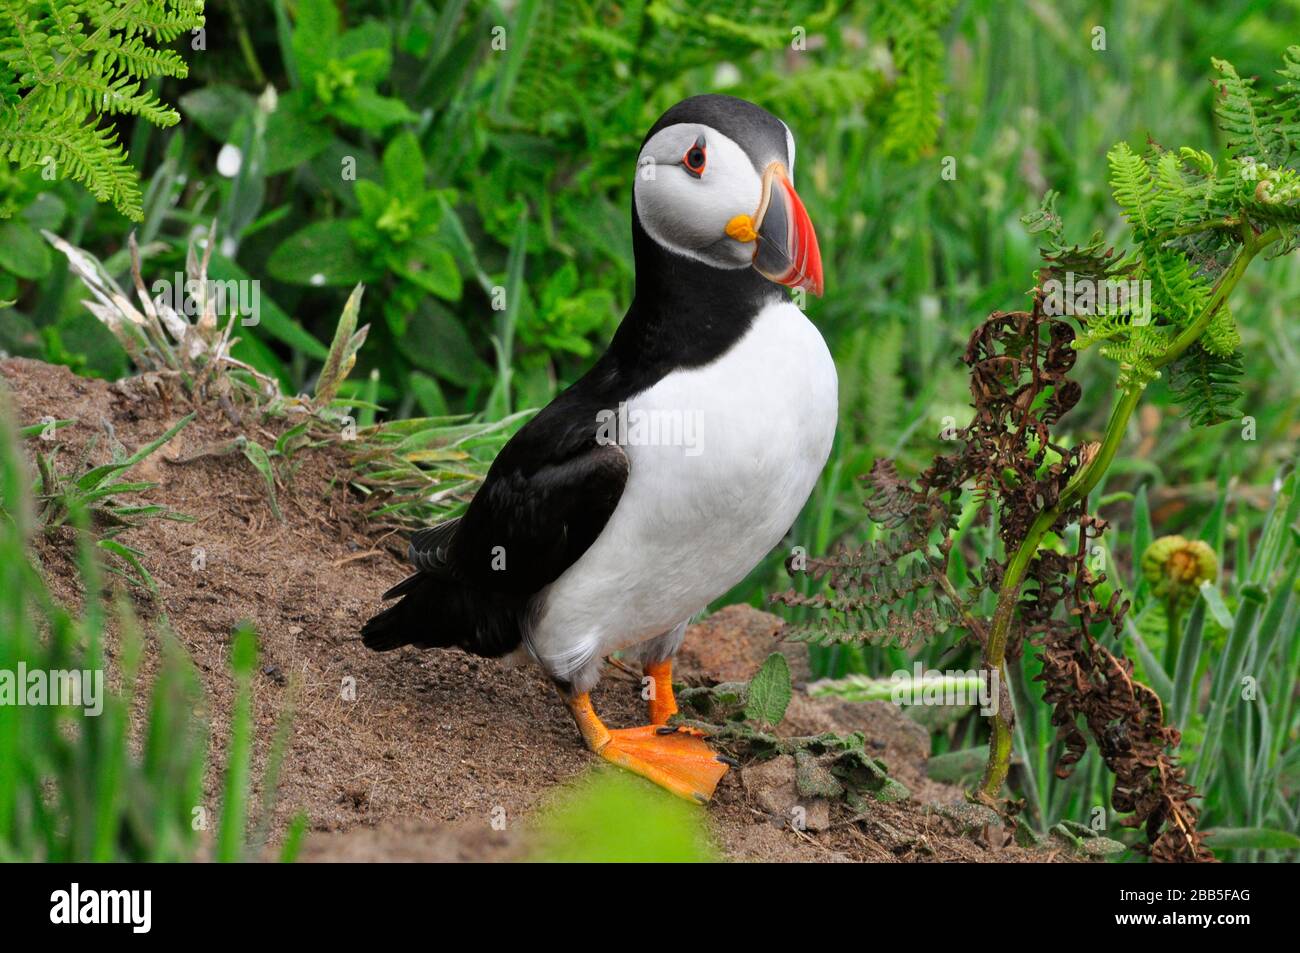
[[1197, 228], [1008, 595], [246, 46], [1131, 388], [1173, 635], [1252, 245]]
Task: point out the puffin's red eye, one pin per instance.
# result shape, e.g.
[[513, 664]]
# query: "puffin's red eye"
[[695, 158]]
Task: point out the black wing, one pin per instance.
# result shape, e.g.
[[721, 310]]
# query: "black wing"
[[475, 574], [532, 519], [428, 551], [545, 500]]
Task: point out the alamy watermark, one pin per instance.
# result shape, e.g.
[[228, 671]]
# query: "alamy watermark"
[[72, 688], [651, 427], [923, 686], [242, 297], [133, 908], [1081, 295]]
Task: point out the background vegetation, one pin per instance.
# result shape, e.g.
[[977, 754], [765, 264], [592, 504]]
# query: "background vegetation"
[[471, 163]]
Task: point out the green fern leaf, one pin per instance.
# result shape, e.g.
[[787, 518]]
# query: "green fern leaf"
[[66, 66], [914, 113], [1248, 118], [1133, 187], [88, 90], [1205, 385]]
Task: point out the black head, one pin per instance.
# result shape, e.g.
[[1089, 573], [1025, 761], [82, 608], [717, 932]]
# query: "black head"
[[717, 227], [761, 135], [715, 185]]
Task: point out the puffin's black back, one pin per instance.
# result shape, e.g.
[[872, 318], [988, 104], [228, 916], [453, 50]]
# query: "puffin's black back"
[[552, 488]]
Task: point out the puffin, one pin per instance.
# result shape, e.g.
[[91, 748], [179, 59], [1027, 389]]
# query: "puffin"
[[659, 479]]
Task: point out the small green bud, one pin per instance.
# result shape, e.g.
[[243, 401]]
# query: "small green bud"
[[1176, 567]]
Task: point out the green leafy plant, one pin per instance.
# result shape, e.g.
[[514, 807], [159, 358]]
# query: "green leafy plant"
[[1237, 641], [74, 784], [99, 494], [1196, 223], [70, 65], [740, 717], [398, 232], [25, 208], [445, 147], [339, 71]]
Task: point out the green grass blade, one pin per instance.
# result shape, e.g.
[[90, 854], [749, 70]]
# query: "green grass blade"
[[1151, 667], [234, 803], [1255, 838], [1142, 536], [132, 557], [293, 838], [1224, 695], [1189, 660], [94, 477], [260, 459]]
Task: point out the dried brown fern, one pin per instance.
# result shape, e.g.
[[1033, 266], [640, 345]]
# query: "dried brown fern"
[[897, 588]]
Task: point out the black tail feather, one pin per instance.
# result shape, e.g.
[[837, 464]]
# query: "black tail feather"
[[435, 611]]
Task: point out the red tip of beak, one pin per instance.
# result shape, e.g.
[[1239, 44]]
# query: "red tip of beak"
[[807, 257], [787, 251]]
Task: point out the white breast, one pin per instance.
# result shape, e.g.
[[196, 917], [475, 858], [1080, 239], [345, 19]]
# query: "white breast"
[[739, 447]]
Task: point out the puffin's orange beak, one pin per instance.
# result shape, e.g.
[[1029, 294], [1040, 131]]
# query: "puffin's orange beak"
[[787, 249]]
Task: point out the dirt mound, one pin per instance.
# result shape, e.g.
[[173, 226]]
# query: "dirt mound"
[[410, 755]]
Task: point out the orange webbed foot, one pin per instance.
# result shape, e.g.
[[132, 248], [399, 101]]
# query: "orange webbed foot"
[[677, 760]]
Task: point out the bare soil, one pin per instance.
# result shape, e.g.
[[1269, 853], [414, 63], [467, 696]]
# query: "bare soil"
[[413, 767]]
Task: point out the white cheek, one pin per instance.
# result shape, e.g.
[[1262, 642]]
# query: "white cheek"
[[690, 215]]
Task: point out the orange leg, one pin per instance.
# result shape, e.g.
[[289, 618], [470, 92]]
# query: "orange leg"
[[677, 761], [662, 703]]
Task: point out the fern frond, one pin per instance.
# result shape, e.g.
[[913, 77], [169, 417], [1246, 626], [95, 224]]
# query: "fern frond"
[[1186, 212], [1253, 126], [1095, 260], [900, 627], [1205, 385], [67, 65], [1221, 337], [1288, 102], [88, 90], [1178, 291], [1133, 186], [1270, 196], [914, 113], [164, 20], [83, 153], [131, 56], [1138, 352]]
